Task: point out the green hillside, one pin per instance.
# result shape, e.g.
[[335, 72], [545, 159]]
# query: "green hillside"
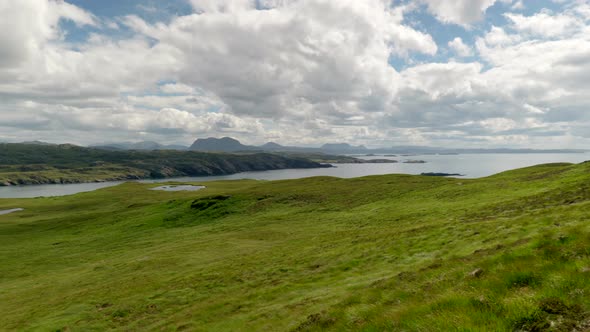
[[397, 252], [22, 164]]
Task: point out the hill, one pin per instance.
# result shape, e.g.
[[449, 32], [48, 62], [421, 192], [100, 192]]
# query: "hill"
[[381, 253], [145, 146], [43, 164], [225, 144]]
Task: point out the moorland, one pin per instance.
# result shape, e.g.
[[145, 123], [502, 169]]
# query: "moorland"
[[510, 252]]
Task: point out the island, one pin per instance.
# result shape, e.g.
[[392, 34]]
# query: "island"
[[441, 174]]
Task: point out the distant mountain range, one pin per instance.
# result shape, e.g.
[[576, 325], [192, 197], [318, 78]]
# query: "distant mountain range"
[[228, 144], [225, 144], [142, 146]]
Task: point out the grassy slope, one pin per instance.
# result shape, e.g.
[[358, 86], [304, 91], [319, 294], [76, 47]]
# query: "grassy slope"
[[376, 253]]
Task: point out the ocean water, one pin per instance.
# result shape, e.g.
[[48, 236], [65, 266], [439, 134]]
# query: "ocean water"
[[469, 165]]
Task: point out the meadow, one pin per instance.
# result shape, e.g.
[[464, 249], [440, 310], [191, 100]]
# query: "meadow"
[[510, 252]]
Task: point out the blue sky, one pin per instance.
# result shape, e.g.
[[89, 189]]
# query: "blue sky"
[[472, 73]]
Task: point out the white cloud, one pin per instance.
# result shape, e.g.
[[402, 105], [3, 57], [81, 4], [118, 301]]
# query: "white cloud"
[[27, 25], [545, 24], [174, 88], [212, 6], [518, 5], [459, 47], [461, 12], [321, 66], [295, 61], [498, 37], [300, 54]]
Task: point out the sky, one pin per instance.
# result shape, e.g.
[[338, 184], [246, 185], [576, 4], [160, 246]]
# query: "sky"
[[460, 73]]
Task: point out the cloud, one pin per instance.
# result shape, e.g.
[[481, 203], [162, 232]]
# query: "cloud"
[[497, 36], [545, 24], [301, 55], [297, 72], [518, 5], [460, 12], [460, 48], [28, 25], [294, 60], [209, 6]]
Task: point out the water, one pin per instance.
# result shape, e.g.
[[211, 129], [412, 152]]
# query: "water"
[[179, 188], [47, 190], [3, 212], [470, 165]]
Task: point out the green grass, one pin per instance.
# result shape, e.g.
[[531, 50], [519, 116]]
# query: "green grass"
[[392, 252]]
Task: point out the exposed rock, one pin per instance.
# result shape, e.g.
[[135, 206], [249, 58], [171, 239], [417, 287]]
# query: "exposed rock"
[[476, 273]]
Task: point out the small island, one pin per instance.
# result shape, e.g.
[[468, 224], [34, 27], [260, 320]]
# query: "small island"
[[441, 174]]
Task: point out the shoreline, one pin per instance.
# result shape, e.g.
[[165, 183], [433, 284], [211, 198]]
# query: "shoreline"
[[128, 177]]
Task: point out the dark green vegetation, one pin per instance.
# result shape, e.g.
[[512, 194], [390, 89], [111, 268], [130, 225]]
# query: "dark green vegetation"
[[412, 253], [40, 164]]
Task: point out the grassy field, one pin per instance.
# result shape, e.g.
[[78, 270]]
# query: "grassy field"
[[396, 252]]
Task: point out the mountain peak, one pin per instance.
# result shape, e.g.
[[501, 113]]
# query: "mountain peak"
[[272, 146], [224, 144]]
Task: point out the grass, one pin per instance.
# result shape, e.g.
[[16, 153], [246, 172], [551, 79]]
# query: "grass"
[[394, 252]]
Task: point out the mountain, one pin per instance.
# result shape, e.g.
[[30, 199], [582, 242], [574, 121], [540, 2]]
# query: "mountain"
[[225, 144], [344, 148], [272, 146], [37, 143], [228, 144], [142, 146]]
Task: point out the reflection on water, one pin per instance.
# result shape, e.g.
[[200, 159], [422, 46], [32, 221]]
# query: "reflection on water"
[[471, 165]]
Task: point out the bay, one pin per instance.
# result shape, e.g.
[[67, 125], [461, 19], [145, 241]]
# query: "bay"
[[469, 165]]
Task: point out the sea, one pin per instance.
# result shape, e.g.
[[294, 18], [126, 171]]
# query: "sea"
[[466, 165]]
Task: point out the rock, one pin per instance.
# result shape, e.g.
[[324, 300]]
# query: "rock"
[[380, 161], [476, 273]]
